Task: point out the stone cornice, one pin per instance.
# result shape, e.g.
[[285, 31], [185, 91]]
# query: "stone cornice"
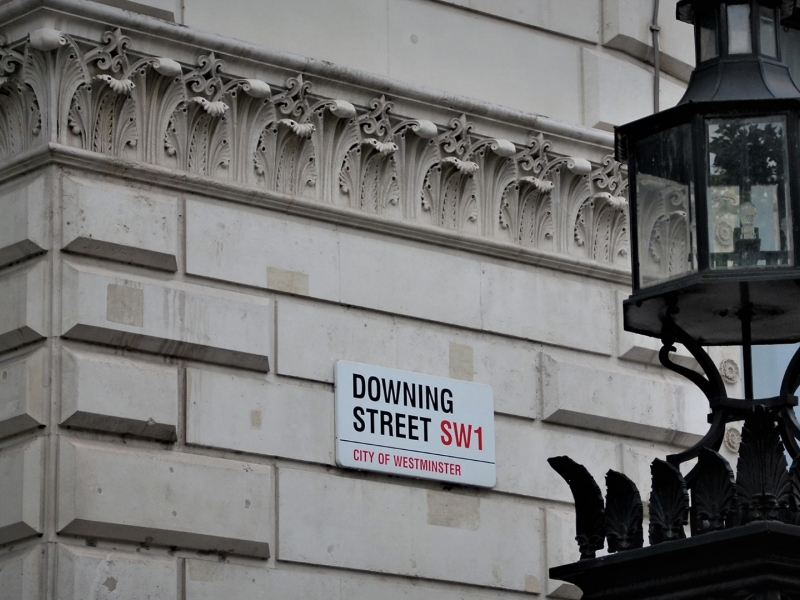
[[284, 145], [21, 10], [144, 174]]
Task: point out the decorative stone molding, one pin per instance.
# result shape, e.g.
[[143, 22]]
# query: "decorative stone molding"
[[106, 98], [729, 371], [733, 439]]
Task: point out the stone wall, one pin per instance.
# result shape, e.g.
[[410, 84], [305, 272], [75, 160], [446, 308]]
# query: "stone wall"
[[175, 290]]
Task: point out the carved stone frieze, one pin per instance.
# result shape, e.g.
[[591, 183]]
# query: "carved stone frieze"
[[105, 97]]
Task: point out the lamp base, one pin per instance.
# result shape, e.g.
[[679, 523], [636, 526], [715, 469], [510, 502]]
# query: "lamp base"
[[710, 312], [759, 561]]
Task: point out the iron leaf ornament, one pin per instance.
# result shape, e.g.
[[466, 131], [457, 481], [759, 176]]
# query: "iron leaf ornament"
[[762, 480], [669, 503], [589, 516], [713, 494], [624, 513]]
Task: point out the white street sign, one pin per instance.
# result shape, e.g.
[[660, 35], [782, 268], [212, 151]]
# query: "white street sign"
[[414, 425]]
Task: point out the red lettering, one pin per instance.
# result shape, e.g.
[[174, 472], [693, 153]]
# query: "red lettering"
[[447, 438], [463, 435], [479, 433], [458, 470]]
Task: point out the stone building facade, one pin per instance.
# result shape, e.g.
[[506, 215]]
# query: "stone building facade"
[[197, 222]]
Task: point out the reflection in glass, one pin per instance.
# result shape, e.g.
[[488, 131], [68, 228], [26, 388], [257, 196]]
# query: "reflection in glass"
[[747, 194], [709, 47], [739, 39], [769, 36], [664, 203]]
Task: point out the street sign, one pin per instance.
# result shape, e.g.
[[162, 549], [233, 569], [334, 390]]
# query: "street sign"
[[414, 425]]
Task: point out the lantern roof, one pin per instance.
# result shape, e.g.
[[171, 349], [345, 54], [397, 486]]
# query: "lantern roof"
[[686, 8], [737, 58]]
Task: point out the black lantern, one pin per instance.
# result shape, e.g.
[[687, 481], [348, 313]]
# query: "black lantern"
[[715, 197], [715, 187]]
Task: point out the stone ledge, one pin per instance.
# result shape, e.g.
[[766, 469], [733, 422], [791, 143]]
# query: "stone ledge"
[[86, 573], [119, 395], [22, 477], [120, 223], [24, 392], [23, 229], [22, 296], [21, 574], [123, 311], [673, 413], [166, 499]]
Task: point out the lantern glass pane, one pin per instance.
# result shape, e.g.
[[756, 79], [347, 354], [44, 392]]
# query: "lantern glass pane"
[[748, 193], [768, 32], [664, 206], [709, 45], [739, 39]]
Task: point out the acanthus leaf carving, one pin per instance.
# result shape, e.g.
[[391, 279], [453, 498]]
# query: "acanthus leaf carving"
[[601, 220], [118, 86], [449, 193], [368, 174], [284, 159], [105, 98], [206, 79], [111, 53]]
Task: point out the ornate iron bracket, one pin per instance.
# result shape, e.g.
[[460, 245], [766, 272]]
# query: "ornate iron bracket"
[[724, 409], [763, 489]]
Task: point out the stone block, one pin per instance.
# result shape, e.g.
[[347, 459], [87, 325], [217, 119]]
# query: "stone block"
[[165, 499], [118, 395], [120, 223], [21, 471], [626, 27], [21, 574], [24, 226], [370, 589], [498, 539], [181, 320], [255, 21], [422, 36], [85, 573], [651, 408], [407, 278], [562, 549], [540, 305], [23, 319], [574, 18], [518, 472], [212, 580], [311, 337], [160, 9], [248, 414], [604, 76], [283, 254], [24, 392], [510, 367]]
